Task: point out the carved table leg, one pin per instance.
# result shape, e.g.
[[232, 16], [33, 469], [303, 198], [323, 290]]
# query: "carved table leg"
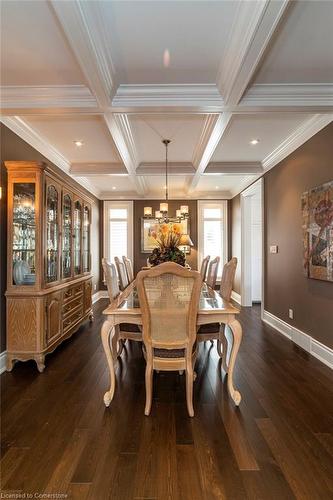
[[237, 336], [105, 334], [222, 347]]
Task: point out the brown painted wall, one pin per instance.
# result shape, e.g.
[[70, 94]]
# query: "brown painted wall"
[[285, 284], [235, 218], [14, 148], [140, 259]]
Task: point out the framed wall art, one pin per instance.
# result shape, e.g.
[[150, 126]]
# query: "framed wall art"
[[317, 225]]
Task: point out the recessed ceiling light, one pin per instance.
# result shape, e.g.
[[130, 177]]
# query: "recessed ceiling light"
[[254, 142], [217, 187], [114, 187], [166, 58], [78, 144]]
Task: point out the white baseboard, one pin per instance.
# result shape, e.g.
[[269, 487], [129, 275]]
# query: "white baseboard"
[[305, 341], [101, 294], [3, 356], [236, 297]]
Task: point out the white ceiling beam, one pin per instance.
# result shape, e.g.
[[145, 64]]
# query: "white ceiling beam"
[[97, 168], [196, 96], [41, 144], [47, 96], [289, 94], [214, 128], [121, 133], [302, 134], [234, 168], [254, 26], [158, 168], [83, 25]]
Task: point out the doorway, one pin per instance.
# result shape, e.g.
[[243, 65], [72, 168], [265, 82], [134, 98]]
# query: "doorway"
[[252, 244]]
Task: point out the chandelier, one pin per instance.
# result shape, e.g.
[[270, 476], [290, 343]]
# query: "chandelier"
[[162, 215]]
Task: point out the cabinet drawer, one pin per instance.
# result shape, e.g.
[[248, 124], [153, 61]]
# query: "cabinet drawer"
[[70, 306], [72, 293], [72, 319]]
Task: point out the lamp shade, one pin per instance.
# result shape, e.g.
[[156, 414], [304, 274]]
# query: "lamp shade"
[[186, 241], [158, 214], [184, 209], [178, 213], [163, 207], [148, 211]]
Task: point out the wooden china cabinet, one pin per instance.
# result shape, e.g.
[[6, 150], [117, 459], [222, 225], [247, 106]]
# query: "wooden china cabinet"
[[49, 283]]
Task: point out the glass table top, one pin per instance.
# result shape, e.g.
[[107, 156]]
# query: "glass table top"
[[210, 301]]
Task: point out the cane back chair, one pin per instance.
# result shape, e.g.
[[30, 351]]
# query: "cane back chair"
[[169, 299]]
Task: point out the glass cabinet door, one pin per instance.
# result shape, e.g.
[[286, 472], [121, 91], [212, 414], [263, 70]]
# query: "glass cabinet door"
[[67, 236], [86, 239], [24, 233], [52, 233], [77, 237]]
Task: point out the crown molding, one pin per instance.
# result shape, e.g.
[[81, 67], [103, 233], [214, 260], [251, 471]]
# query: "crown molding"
[[302, 134], [289, 94], [158, 168], [29, 135], [253, 28], [234, 168], [82, 23], [121, 132], [203, 96], [49, 96], [212, 132]]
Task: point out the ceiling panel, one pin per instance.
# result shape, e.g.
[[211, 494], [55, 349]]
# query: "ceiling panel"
[[270, 129], [301, 51], [33, 48], [156, 185], [222, 183], [194, 32], [112, 184], [183, 130], [62, 131]]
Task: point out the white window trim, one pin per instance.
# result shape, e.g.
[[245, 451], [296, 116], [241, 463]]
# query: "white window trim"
[[223, 205], [114, 205]]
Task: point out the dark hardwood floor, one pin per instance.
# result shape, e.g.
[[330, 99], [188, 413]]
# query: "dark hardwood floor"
[[58, 437]]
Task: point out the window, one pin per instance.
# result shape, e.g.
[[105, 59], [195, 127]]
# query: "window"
[[118, 229], [212, 231]]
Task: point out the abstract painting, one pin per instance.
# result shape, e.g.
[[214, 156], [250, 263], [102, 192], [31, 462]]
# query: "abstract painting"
[[317, 224]]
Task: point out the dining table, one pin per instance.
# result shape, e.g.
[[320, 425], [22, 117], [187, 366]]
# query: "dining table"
[[212, 309]]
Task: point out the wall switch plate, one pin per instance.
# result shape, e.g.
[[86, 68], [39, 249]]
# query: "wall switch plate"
[[273, 249], [291, 313]]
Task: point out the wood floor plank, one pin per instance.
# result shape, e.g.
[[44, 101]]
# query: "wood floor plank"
[[189, 485], [304, 487]]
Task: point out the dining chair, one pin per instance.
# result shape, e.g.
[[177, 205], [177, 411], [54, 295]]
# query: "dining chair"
[[122, 274], [212, 272], [216, 331], [129, 268], [203, 269], [124, 331], [169, 298]]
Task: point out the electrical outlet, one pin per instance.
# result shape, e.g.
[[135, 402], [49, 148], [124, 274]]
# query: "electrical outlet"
[[273, 249], [291, 313]]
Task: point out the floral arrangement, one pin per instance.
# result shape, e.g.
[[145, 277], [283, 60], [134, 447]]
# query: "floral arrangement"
[[167, 237]]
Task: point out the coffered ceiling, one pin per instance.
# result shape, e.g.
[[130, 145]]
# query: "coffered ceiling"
[[212, 76]]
